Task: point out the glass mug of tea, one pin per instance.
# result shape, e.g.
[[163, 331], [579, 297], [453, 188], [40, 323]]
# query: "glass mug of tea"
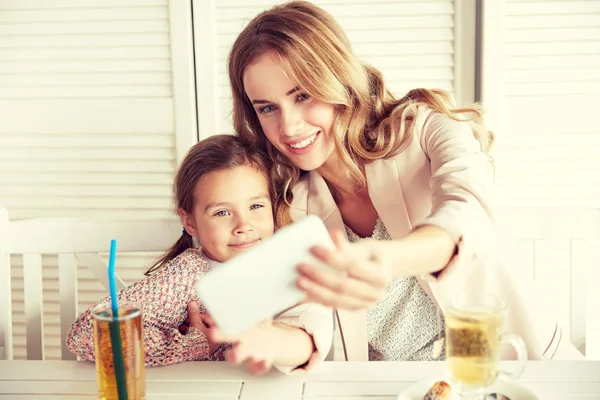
[[474, 334], [129, 324]]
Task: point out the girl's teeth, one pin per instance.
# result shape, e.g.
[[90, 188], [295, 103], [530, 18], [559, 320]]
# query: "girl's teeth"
[[303, 143]]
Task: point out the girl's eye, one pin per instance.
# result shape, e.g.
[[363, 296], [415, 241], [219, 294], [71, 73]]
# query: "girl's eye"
[[222, 213], [256, 206], [302, 97], [266, 109]]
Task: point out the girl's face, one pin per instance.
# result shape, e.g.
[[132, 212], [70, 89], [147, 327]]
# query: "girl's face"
[[298, 125], [232, 212]]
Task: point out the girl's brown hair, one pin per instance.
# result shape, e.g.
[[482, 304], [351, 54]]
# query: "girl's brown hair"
[[215, 153], [370, 122]]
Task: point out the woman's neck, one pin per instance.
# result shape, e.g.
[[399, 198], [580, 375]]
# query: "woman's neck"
[[341, 183]]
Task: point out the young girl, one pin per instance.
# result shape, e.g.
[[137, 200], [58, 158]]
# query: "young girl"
[[409, 174], [223, 198]]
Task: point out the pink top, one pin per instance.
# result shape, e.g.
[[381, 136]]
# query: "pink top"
[[164, 297]]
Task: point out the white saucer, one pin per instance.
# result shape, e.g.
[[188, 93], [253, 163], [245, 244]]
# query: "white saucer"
[[505, 386]]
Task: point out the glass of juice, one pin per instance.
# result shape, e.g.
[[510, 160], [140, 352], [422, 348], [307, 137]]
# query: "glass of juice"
[[129, 323], [474, 334]]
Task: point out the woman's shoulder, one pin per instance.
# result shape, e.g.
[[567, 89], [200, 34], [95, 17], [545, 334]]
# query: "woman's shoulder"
[[428, 118], [432, 127], [425, 114]]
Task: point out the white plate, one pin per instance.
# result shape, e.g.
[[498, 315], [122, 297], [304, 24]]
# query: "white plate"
[[505, 386]]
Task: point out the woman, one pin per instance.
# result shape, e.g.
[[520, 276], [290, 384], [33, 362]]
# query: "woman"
[[403, 184]]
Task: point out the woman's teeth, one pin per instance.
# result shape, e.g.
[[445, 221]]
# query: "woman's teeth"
[[304, 143]]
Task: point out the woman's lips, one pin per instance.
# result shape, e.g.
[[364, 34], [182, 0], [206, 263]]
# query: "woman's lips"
[[306, 149]]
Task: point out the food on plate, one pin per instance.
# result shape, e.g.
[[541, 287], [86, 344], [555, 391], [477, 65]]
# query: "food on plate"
[[439, 391]]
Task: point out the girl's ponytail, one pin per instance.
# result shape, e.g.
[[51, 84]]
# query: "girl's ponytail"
[[184, 242]]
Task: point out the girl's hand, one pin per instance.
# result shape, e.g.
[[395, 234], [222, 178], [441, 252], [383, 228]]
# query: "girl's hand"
[[358, 277], [252, 347], [199, 321]]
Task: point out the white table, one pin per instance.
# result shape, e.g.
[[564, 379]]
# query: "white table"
[[72, 380]]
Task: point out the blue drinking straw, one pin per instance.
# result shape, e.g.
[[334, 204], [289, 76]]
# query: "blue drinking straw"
[[114, 326], [111, 277]]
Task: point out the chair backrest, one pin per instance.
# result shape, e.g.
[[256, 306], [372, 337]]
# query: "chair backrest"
[[560, 249], [75, 242]]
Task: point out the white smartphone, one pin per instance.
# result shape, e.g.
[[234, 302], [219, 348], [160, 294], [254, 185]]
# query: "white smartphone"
[[260, 282]]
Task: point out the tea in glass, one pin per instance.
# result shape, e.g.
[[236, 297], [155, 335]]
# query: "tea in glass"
[[474, 334], [132, 341], [472, 346]]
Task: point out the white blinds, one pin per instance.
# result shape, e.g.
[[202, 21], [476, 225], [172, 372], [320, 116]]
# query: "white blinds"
[[411, 42], [86, 108], [550, 150], [87, 123]]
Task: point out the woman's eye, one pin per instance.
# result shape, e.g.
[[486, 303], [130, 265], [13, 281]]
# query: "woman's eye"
[[266, 109], [256, 206], [302, 97], [222, 213]]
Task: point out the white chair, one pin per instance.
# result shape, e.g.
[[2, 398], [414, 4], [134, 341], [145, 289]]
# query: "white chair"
[[74, 241], [560, 249]]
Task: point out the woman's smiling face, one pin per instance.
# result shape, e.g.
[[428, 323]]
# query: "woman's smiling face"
[[299, 126]]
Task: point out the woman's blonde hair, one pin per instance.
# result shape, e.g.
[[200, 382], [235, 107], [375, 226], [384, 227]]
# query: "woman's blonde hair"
[[370, 122]]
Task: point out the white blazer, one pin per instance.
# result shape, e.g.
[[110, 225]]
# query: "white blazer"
[[442, 178]]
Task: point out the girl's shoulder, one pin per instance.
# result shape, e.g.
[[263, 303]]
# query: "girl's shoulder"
[[190, 259]]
